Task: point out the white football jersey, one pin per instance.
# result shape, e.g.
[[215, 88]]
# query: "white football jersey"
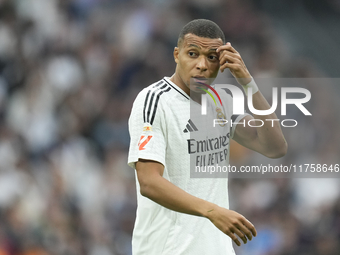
[[162, 128]]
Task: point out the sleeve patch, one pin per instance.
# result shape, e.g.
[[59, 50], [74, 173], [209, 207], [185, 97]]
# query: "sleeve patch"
[[143, 141]]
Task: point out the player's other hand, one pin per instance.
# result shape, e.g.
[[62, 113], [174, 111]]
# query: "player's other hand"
[[232, 224], [231, 59]]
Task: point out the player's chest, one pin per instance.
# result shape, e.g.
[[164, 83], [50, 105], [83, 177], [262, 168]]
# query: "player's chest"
[[185, 121]]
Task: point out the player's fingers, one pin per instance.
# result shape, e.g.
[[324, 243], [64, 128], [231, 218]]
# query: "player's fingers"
[[230, 66], [230, 57], [232, 49], [241, 235], [249, 226], [233, 237], [245, 231], [227, 47]]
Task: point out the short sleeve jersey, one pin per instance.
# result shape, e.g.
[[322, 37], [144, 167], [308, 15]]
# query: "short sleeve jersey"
[[161, 129]]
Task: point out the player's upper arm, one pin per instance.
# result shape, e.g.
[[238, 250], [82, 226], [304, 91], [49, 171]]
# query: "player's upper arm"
[[148, 172], [147, 129]]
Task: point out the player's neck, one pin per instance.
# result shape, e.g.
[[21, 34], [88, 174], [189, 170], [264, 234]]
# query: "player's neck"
[[179, 82]]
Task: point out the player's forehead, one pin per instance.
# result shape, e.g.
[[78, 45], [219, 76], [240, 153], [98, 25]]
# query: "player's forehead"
[[191, 40]]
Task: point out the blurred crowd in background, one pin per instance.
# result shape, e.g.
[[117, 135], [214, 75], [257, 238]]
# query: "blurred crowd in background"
[[69, 72]]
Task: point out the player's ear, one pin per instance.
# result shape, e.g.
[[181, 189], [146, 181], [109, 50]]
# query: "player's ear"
[[176, 53]]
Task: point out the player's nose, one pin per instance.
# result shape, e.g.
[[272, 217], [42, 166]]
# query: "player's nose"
[[202, 64]]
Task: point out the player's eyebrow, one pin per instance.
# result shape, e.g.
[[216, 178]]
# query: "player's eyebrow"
[[196, 46]]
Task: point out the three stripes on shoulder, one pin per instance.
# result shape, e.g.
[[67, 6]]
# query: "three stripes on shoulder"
[[151, 101]]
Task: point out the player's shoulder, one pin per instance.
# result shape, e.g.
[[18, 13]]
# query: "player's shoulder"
[[155, 88], [159, 92], [150, 101]]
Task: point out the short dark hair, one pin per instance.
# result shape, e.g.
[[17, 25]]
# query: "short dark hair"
[[202, 28]]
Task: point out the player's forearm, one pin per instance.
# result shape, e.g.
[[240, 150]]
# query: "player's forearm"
[[172, 197], [269, 134]]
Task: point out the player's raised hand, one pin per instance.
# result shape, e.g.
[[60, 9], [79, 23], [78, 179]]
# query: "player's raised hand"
[[232, 223], [231, 59]]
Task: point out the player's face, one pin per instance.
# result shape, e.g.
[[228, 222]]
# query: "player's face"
[[196, 59]]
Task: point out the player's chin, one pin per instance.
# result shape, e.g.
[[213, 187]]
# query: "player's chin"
[[197, 89]]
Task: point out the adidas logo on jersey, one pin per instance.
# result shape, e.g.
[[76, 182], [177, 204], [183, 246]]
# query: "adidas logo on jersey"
[[190, 127]]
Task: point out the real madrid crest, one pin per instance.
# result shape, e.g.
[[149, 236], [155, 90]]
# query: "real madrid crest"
[[220, 115]]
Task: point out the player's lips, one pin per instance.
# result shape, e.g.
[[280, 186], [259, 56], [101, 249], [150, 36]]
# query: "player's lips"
[[200, 79]]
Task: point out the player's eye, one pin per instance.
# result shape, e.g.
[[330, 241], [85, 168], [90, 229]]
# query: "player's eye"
[[192, 54], [213, 58]]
